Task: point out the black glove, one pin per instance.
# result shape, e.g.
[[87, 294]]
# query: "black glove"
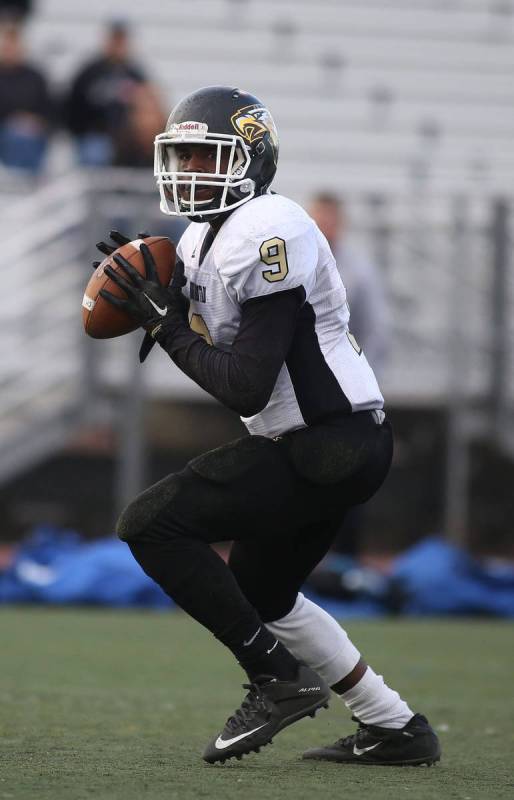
[[146, 300], [177, 312], [120, 239], [146, 297]]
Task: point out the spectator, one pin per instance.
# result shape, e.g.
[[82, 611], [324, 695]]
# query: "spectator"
[[133, 147], [25, 106], [100, 98], [134, 142], [15, 10], [369, 317], [363, 280]]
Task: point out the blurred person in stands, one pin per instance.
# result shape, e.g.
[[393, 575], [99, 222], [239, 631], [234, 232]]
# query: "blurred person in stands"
[[363, 279], [25, 105], [369, 323], [133, 146], [99, 101], [134, 142], [15, 10]]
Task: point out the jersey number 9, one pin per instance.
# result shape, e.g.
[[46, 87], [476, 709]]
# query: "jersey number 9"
[[273, 253]]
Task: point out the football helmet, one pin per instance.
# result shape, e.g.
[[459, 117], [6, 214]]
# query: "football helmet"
[[241, 129]]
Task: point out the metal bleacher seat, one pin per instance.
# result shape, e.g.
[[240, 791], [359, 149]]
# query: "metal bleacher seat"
[[409, 101], [366, 74]]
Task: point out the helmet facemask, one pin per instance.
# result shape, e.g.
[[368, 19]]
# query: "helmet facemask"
[[181, 192]]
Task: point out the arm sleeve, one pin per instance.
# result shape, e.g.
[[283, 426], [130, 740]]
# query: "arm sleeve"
[[243, 377]]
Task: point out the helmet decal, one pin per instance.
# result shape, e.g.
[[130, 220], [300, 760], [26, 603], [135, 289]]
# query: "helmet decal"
[[188, 128], [253, 122]]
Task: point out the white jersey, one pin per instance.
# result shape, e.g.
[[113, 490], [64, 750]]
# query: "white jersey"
[[271, 245]]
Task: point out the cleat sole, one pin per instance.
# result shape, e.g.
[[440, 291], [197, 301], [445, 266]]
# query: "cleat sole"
[[432, 762]]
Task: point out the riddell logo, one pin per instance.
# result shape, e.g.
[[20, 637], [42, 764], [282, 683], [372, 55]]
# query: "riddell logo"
[[189, 127]]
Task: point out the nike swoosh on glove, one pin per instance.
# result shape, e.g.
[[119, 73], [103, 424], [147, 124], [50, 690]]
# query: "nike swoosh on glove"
[[176, 315], [146, 300]]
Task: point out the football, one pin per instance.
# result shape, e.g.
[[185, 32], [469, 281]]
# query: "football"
[[101, 319]]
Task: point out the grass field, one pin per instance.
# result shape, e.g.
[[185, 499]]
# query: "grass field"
[[119, 705]]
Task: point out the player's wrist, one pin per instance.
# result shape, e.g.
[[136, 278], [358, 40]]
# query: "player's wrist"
[[161, 329]]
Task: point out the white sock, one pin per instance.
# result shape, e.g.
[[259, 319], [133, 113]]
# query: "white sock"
[[315, 638], [373, 702]]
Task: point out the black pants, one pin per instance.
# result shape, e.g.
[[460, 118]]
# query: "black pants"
[[280, 501]]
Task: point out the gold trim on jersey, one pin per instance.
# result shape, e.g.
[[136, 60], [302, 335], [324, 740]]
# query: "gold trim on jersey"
[[199, 326]]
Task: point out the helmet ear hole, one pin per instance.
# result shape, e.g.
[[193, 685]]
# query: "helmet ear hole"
[[260, 148]]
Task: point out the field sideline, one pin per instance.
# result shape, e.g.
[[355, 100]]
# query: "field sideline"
[[120, 704]]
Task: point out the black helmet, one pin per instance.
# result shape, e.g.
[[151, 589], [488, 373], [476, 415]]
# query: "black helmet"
[[226, 118]]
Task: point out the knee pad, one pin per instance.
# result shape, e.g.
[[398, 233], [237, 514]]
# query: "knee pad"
[[141, 512]]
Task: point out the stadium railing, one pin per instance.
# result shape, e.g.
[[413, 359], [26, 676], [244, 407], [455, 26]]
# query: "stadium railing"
[[439, 253]]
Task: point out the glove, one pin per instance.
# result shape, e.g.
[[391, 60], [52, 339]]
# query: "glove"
[[146, 297], [177, 311], [120, 239]]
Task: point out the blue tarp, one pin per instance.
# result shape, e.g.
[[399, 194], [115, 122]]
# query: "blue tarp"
[[431, 578], [59, 567], [439, 578]]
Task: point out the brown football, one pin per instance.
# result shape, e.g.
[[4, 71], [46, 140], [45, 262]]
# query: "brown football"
[[101, 319]]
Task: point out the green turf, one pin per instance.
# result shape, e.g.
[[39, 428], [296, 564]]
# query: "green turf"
[[119, 705]]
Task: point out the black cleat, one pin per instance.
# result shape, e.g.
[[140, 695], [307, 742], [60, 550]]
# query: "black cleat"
[[414, 744], [269, 706]]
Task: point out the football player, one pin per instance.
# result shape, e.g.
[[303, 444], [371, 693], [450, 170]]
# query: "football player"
[[256, 314]]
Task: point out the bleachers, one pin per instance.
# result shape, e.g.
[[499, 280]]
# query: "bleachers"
[[377, 83], [406, 107]]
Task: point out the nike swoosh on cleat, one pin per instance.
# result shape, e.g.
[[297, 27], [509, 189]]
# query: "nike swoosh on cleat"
[[161, 311], [221, 744], [271, 650], [357, 751]]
